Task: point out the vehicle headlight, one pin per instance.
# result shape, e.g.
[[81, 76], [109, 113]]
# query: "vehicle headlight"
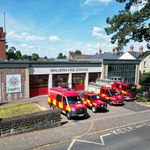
[[72, 109]]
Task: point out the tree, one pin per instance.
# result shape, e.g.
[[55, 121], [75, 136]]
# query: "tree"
[[144, 54], [61, 56], [130, 24], [11, 53], [145, 78], [77, 52], [34, 56], [18, 55], [26, 57]]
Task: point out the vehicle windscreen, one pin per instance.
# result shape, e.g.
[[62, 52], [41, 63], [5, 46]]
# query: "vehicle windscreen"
[[124, 88], [94, 97], [114, 93], [131, 88], [74, 100]]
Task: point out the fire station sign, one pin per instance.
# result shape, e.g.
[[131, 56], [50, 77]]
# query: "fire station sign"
[[62, 70], [13, 83]]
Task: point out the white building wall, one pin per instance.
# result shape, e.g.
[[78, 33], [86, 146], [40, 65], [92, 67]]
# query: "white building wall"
[[145, 65]]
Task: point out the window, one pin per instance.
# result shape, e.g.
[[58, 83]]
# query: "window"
[[58, 98], [108, 93], [117, 85], [89, 97], [103, 91], [64, 100], [74, 100]]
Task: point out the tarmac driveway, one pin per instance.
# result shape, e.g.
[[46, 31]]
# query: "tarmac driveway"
[[127, 108]]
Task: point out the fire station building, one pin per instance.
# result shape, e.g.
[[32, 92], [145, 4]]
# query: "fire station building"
[[24, 79]]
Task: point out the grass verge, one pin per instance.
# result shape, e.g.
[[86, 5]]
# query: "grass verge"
[[144, 103], [17, 109]]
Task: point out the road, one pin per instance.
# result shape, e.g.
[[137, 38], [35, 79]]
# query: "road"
[[71, 134], [134, 136], [128, 107]]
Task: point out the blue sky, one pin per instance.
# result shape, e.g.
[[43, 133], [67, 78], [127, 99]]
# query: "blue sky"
[[48, 27]]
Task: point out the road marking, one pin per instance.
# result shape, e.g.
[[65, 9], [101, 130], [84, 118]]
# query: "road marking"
[[139, 126], [119, 127], [90, 142], [71, 144], [116, 131], [102, 139], [79, 136]]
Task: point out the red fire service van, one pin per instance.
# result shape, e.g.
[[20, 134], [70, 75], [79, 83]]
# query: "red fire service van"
[[128, 90], [107, 94], [93, 101], [68, 101]]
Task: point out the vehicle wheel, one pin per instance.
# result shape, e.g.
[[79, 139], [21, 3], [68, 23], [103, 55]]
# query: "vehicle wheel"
[[68, 116], [110, 103], [94, 109], [51, 106]]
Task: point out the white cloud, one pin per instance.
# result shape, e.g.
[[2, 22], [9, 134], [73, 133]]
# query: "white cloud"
[[24, 45], [54, 38], [91, 2], [24, 36], [99, 33]]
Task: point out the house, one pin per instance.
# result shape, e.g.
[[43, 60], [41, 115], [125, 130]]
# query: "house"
[[145, 65]]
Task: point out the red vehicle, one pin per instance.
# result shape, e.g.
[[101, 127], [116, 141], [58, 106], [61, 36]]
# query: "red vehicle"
[[111, 96], [107, 94], [68, 101], [127, 89], [93, 101]]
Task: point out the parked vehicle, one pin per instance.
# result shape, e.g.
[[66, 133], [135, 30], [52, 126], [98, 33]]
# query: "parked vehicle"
[[93, 101], [128, 90], [107, 94], [68, 101]]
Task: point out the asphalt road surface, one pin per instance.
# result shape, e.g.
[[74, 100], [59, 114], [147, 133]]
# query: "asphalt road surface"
[[130, 137]]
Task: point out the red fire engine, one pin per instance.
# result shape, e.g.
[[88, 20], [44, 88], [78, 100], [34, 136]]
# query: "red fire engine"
[[107, 94], [93, 101], [127, 89], [68, 101]]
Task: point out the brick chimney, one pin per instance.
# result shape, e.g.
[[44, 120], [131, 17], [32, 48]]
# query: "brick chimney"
[[141, 49], [2, 44], [100, 51], [131, 48], [114, 50]]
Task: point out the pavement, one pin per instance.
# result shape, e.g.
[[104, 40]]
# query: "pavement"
[[116, 116]]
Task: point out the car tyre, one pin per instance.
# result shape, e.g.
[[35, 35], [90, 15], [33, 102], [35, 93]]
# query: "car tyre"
[[68, 116]]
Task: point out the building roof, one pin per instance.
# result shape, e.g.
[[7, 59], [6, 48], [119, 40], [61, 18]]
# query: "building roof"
[[134, 54], [97, 56], [106, 55]]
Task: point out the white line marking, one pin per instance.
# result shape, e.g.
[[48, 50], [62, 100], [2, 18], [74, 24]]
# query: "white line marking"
[[118, 127], [101, 138], [79, 136], [91, 142], [71, 144], [139, 126]]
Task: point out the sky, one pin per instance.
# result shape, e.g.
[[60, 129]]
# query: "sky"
[[50, 27]]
